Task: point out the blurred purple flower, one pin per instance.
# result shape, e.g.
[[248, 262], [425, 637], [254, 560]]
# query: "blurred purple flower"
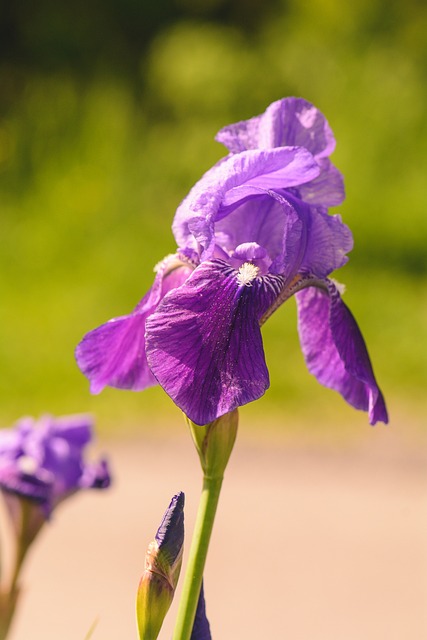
[[251, 233], [42, 460]]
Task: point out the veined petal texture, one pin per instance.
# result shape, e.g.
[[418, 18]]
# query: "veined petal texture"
[[204, 342], [335, 351], [114, 353]]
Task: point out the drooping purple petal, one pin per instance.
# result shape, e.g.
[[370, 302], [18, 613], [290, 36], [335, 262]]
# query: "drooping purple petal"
[[204, 343], [114, 353], [201, 629], [287, 122], [335, 351], [254, 170]]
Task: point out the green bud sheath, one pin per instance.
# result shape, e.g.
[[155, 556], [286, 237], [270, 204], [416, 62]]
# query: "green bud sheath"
[[154, 597], [214, 443]]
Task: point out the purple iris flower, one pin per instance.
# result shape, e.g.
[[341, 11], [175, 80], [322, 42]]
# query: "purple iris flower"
[[253, 231], [42, 460]]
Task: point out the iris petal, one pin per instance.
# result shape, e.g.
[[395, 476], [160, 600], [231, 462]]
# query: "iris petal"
[[297, 237], [328, 240], [255, 170], [292, 122], [204, 342], [335, 351], [327, 189], [114, 353], [287, 122]]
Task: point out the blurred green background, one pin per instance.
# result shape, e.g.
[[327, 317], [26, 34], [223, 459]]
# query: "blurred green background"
[[108, 112]]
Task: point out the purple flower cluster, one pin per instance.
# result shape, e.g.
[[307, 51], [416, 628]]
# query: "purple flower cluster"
[[253, 231], [42, 460]]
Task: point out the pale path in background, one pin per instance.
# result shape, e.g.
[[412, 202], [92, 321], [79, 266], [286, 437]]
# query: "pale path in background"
[[308, 544]]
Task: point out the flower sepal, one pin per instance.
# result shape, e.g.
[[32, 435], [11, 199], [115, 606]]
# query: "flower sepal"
[[214, 442]]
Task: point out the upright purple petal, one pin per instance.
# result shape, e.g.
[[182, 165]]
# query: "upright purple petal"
[[254, 170], [77, 428], [114, 353], [287, 122], [292, 122], [204, 342], [335, 351], [297, 237], [262, 220]]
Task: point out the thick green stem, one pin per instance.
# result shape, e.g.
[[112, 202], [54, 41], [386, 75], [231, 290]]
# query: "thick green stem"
[[197, 557]]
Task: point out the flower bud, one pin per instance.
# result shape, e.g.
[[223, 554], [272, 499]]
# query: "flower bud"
[[162, 567], [201, 629]]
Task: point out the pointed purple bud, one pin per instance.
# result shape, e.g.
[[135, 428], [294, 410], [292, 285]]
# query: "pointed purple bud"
[[162, 567], [170, 534], [201, 629]]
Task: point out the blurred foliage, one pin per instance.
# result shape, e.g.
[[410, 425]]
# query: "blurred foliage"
[[107, 117], [84, 37]]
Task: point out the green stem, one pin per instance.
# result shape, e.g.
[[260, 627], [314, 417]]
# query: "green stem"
[[23, 543], [9, 597], [197, 557]]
